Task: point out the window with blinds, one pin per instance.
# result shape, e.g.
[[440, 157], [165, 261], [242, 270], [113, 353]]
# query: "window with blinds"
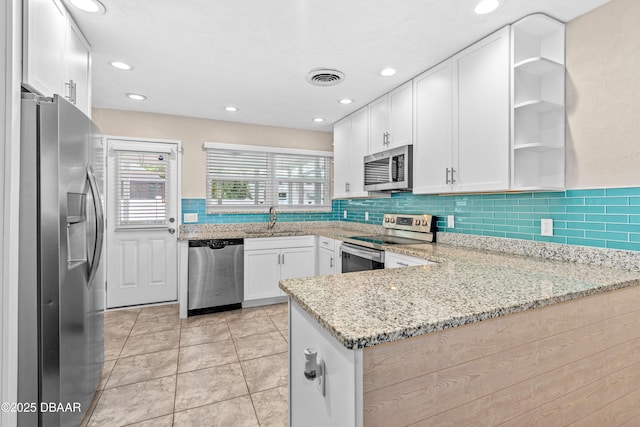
[[249, 178], [142, 188]]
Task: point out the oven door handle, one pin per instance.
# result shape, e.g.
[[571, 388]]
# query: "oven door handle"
[[374, 255]]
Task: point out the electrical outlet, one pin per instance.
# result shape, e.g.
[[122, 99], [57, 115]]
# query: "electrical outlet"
[[190, 217], [344, 215], [366, 216], [546, 227], [450, 221]]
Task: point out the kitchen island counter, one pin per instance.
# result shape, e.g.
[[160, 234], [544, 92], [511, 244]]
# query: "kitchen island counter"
[[477, 338], [463, 286]]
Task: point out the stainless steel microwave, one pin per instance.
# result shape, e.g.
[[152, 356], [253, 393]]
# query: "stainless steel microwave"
[[389, 170]]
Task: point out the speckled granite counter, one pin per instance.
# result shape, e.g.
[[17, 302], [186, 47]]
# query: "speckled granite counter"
[[332, 229], [465, 286]]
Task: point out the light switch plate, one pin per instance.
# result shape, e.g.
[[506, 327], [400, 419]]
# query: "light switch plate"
[[366, 216], [450, 221], [190, 217], [546, 227], [345, 215]]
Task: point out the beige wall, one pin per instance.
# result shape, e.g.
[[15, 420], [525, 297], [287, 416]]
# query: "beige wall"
[[194, 131], [603, 97]]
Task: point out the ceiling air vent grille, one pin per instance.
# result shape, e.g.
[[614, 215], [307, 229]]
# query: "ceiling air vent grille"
[[325, 77]]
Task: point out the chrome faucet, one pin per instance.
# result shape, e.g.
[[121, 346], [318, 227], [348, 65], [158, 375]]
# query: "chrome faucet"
[[273, 217]]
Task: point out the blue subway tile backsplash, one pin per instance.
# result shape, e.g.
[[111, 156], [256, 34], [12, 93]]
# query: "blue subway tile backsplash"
[[605, 218]]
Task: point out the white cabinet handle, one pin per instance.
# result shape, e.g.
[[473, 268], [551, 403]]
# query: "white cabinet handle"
[[331, 262], [404, 264], [453, 180], [447, 177]]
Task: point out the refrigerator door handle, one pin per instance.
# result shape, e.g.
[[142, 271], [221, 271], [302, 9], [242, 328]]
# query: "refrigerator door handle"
[[97, 202]]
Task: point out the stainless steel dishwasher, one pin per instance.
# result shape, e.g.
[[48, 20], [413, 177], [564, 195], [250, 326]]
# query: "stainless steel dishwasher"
[[216, 275]]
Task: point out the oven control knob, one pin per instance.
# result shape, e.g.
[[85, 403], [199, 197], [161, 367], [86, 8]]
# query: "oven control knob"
[[417, 222], [386, 219], [424, 222], [393, 220]]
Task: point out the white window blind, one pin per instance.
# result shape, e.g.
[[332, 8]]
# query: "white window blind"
[[142, 188], [239, 179]]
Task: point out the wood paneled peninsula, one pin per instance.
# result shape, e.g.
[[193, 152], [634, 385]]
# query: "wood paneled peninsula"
[[478, 338]]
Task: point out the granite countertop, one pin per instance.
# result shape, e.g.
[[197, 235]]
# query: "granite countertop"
[[464, 286], [256, 230]]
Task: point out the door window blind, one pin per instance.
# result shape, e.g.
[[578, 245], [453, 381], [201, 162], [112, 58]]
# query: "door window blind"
[[142, 188], [248, 179]]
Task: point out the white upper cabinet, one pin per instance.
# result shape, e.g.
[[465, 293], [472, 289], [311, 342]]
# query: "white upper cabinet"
[[433, 110], [56, 56], [391, 119], [538, 107], [462, 120], [349, 148], [43, 46], [78, 70], [481, 155]]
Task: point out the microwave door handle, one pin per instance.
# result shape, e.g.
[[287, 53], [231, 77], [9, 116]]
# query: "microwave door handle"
[[391, 162]]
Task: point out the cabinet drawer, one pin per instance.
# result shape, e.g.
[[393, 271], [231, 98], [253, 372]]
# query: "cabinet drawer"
[[393, 260], [279, 242], [326, 242]]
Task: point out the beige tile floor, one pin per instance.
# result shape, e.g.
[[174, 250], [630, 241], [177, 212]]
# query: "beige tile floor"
[[225, 369]]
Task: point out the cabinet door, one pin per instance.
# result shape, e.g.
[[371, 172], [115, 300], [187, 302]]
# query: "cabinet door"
[[433, 111], [358, 142], [261, 274], [378, 124], [43, 46], [297, 262], [481, 156], [77, 61], [341, 158], [401, 115], [326, 262]]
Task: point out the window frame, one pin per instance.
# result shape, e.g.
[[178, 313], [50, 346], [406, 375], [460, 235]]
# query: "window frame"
[[273, 180]]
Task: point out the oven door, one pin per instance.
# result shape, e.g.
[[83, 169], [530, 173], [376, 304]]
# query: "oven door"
[[358, 258]]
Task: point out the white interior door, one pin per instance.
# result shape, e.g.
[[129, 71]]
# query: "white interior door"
[[142, 222]]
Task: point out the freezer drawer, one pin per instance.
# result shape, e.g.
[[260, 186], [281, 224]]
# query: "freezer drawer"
[[216, 274]]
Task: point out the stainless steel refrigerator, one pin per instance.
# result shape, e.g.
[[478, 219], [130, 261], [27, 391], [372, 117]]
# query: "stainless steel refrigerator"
[[61, 281]]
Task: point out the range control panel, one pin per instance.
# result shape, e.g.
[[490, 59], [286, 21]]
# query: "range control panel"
[[420, 223]]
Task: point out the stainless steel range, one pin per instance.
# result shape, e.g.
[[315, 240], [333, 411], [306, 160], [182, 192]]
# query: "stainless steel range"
[[361, 253]]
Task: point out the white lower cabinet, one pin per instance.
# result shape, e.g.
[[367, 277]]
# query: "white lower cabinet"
[[270, 259], [394, 260], [328, 256], [341, 404]]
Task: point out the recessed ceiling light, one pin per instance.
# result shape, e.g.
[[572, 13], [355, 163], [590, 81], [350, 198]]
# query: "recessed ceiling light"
[[387, 72], [231, 108], [91, 6], [318, 119], [345, 101], [486, 6], [121, 65], [136, 96]]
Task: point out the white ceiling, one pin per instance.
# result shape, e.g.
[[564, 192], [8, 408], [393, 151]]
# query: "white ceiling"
[[193, 57]]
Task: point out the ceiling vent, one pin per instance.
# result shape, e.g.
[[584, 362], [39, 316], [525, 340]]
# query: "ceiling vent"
[[325, 77]]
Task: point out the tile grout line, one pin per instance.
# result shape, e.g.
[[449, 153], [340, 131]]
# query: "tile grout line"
[[244, 377], [175, 391]]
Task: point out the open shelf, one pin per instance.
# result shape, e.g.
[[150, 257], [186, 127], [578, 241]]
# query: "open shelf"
[[538, 97], [538, 106], [539, 65], [537, 146]]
